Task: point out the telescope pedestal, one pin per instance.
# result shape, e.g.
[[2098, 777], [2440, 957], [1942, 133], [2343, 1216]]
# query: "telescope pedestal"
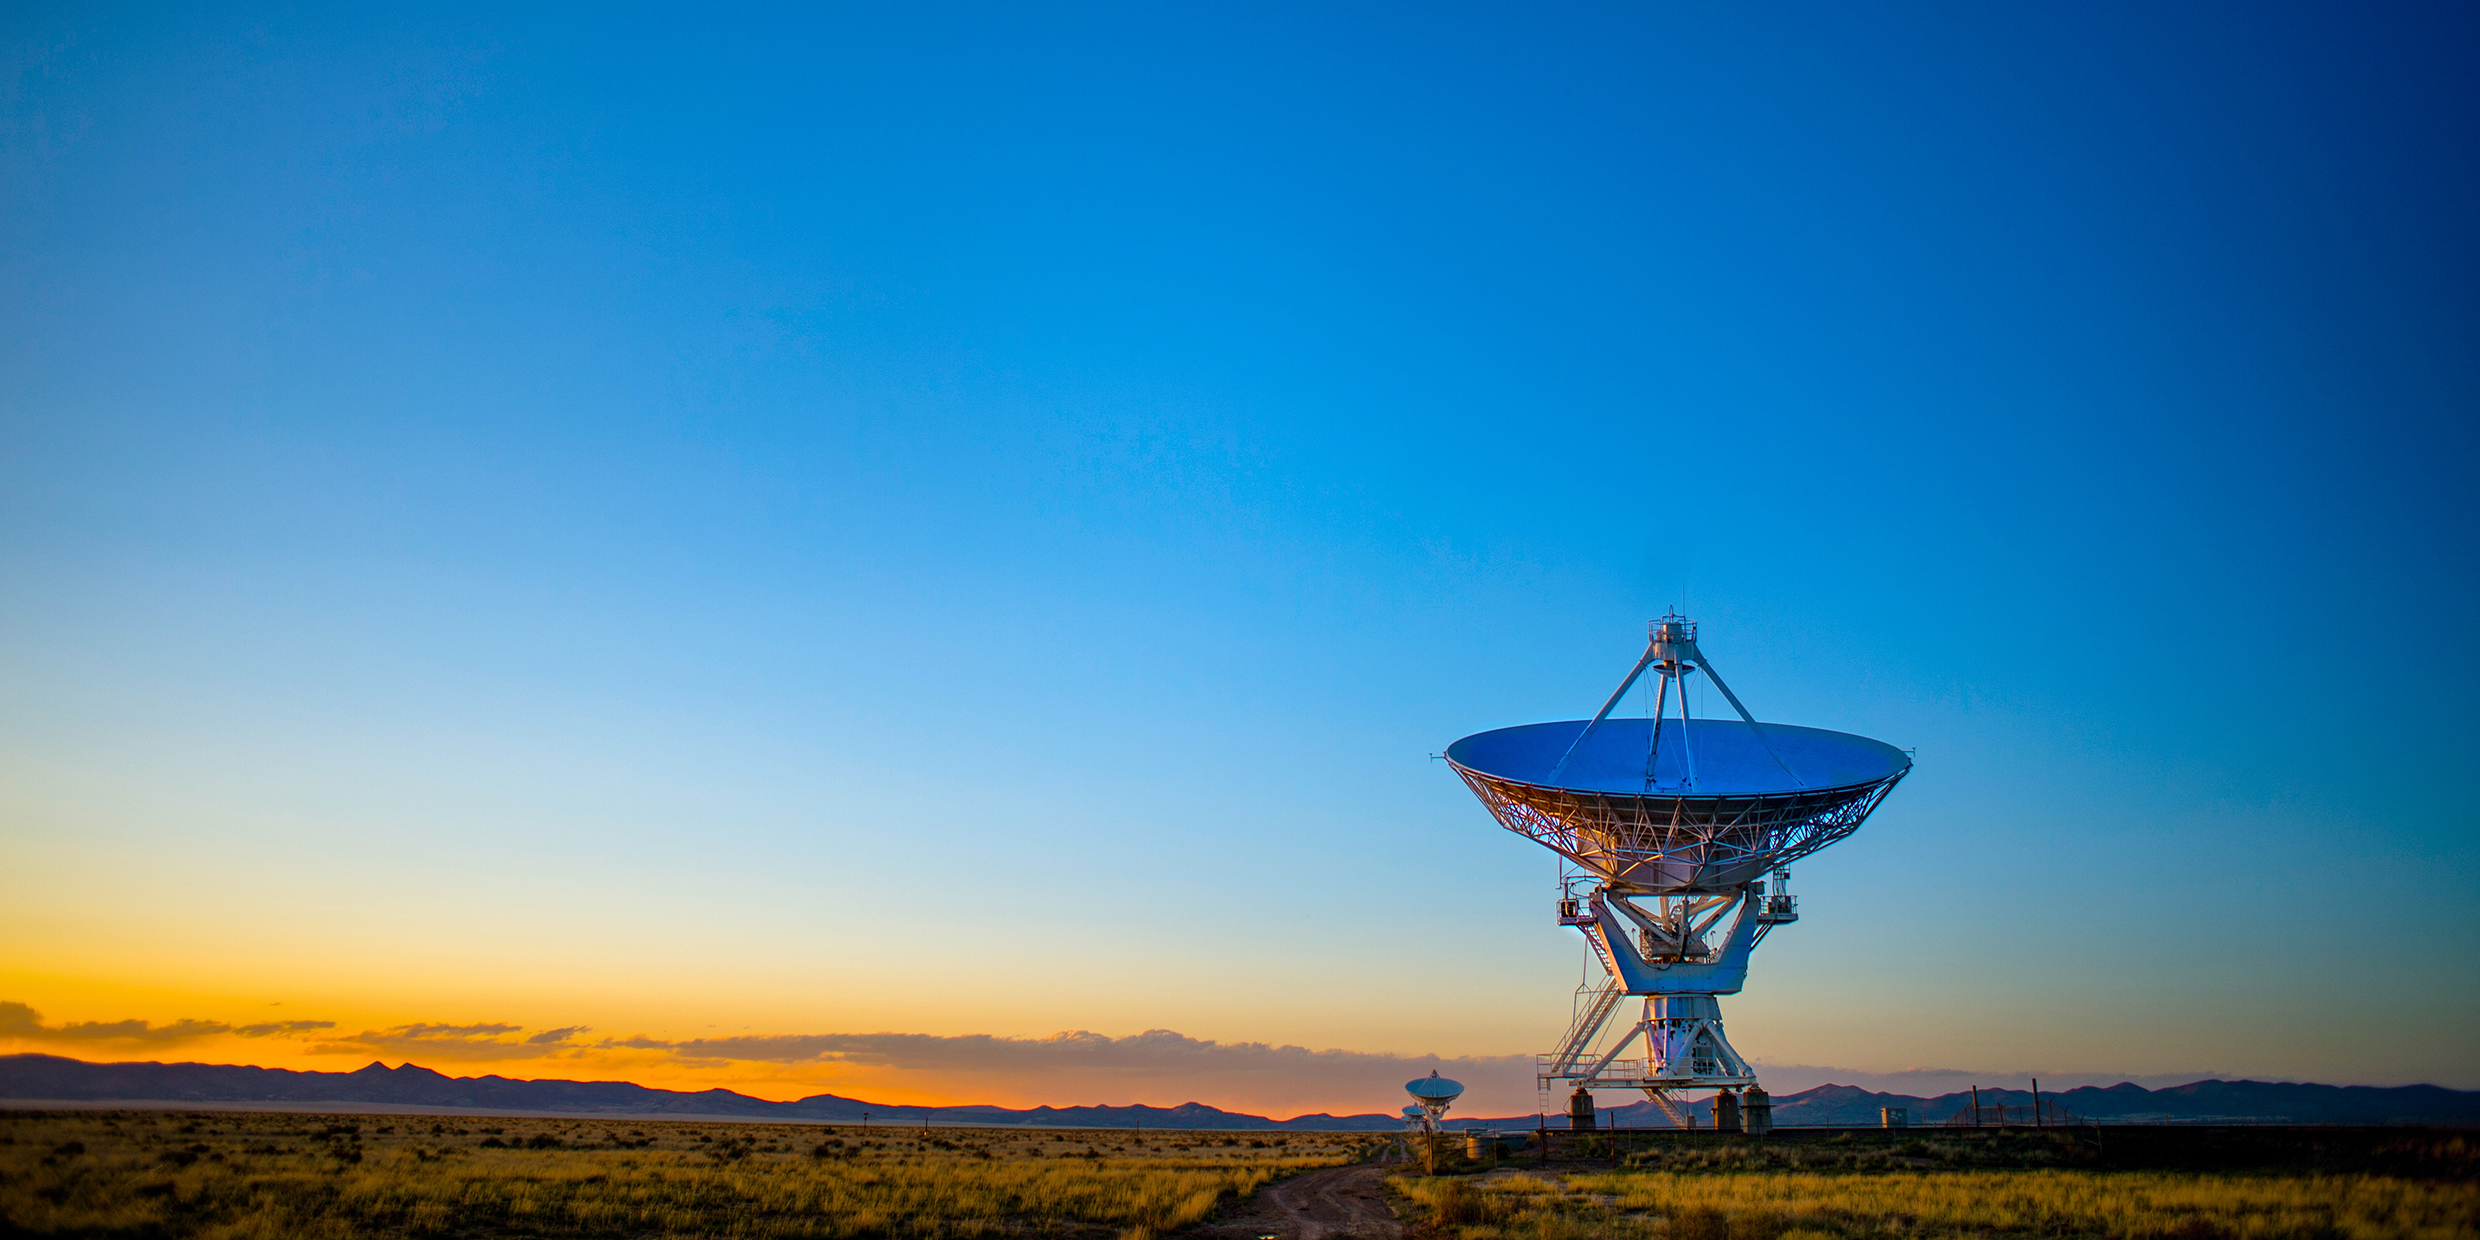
[[1684, 1049], [1684, 1044]]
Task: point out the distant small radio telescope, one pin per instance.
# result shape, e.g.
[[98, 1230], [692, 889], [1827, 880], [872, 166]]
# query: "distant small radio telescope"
[[1431, 1096], [1671, 827]]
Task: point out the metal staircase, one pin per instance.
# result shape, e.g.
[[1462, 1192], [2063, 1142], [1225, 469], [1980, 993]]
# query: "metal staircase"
[[1577, 1043]]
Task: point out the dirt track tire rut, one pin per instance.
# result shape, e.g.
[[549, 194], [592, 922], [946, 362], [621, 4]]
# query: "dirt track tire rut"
[[1335, 1203]]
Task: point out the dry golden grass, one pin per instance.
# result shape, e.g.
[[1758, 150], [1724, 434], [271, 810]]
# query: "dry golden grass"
[[98, 1174], [1995, 1203]]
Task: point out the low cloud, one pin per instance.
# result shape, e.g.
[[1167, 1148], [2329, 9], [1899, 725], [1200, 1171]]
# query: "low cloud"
[[1157, 1066], [24, 1023], [1155, 1051], [482, 1041], [274, 1028]]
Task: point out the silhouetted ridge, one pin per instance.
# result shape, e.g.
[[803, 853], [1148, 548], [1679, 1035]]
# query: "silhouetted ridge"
[[2200, 1102], [52, 1078]]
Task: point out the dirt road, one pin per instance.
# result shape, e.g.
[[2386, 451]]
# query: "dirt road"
[[1330, 1204]]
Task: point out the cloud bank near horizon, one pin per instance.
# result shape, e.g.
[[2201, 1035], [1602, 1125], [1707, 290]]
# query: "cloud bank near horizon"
[[23, 1023], [1158, 1065], [1155, 1051], [484, 1042], [1067, 1068]]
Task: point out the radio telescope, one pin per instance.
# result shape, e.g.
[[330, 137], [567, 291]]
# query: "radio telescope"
[[1675, 826], [1431, 1095]]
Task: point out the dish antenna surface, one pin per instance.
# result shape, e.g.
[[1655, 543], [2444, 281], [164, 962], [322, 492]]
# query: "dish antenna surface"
[[1674, 825], [1434, 1093]]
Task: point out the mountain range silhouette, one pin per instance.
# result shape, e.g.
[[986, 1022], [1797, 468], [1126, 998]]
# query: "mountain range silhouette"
[[51, 1078]]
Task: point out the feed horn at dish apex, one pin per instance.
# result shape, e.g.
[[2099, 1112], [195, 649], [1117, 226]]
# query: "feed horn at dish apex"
[[1674, 834]]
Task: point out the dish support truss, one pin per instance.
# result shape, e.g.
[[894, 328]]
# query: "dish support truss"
[[1656, 842]]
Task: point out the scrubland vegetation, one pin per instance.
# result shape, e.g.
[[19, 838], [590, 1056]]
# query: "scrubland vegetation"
[[1932, 1189], [136, 1174], [160, 1174]]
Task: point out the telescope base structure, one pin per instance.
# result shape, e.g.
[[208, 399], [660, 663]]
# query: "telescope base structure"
[[1684, 1049]]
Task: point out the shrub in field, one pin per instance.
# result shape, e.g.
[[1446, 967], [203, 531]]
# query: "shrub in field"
[[1457, 1203], [1698, 1223]]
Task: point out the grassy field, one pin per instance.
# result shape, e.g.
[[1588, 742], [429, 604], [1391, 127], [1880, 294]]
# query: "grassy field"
[[1936, 1188], [164, 1174], [141, 1174]]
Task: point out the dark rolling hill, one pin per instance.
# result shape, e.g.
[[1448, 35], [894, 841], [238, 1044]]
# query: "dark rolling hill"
[[52, 1078], [2201, 1102]]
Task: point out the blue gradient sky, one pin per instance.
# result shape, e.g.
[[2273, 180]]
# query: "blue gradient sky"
[[972, 520]]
